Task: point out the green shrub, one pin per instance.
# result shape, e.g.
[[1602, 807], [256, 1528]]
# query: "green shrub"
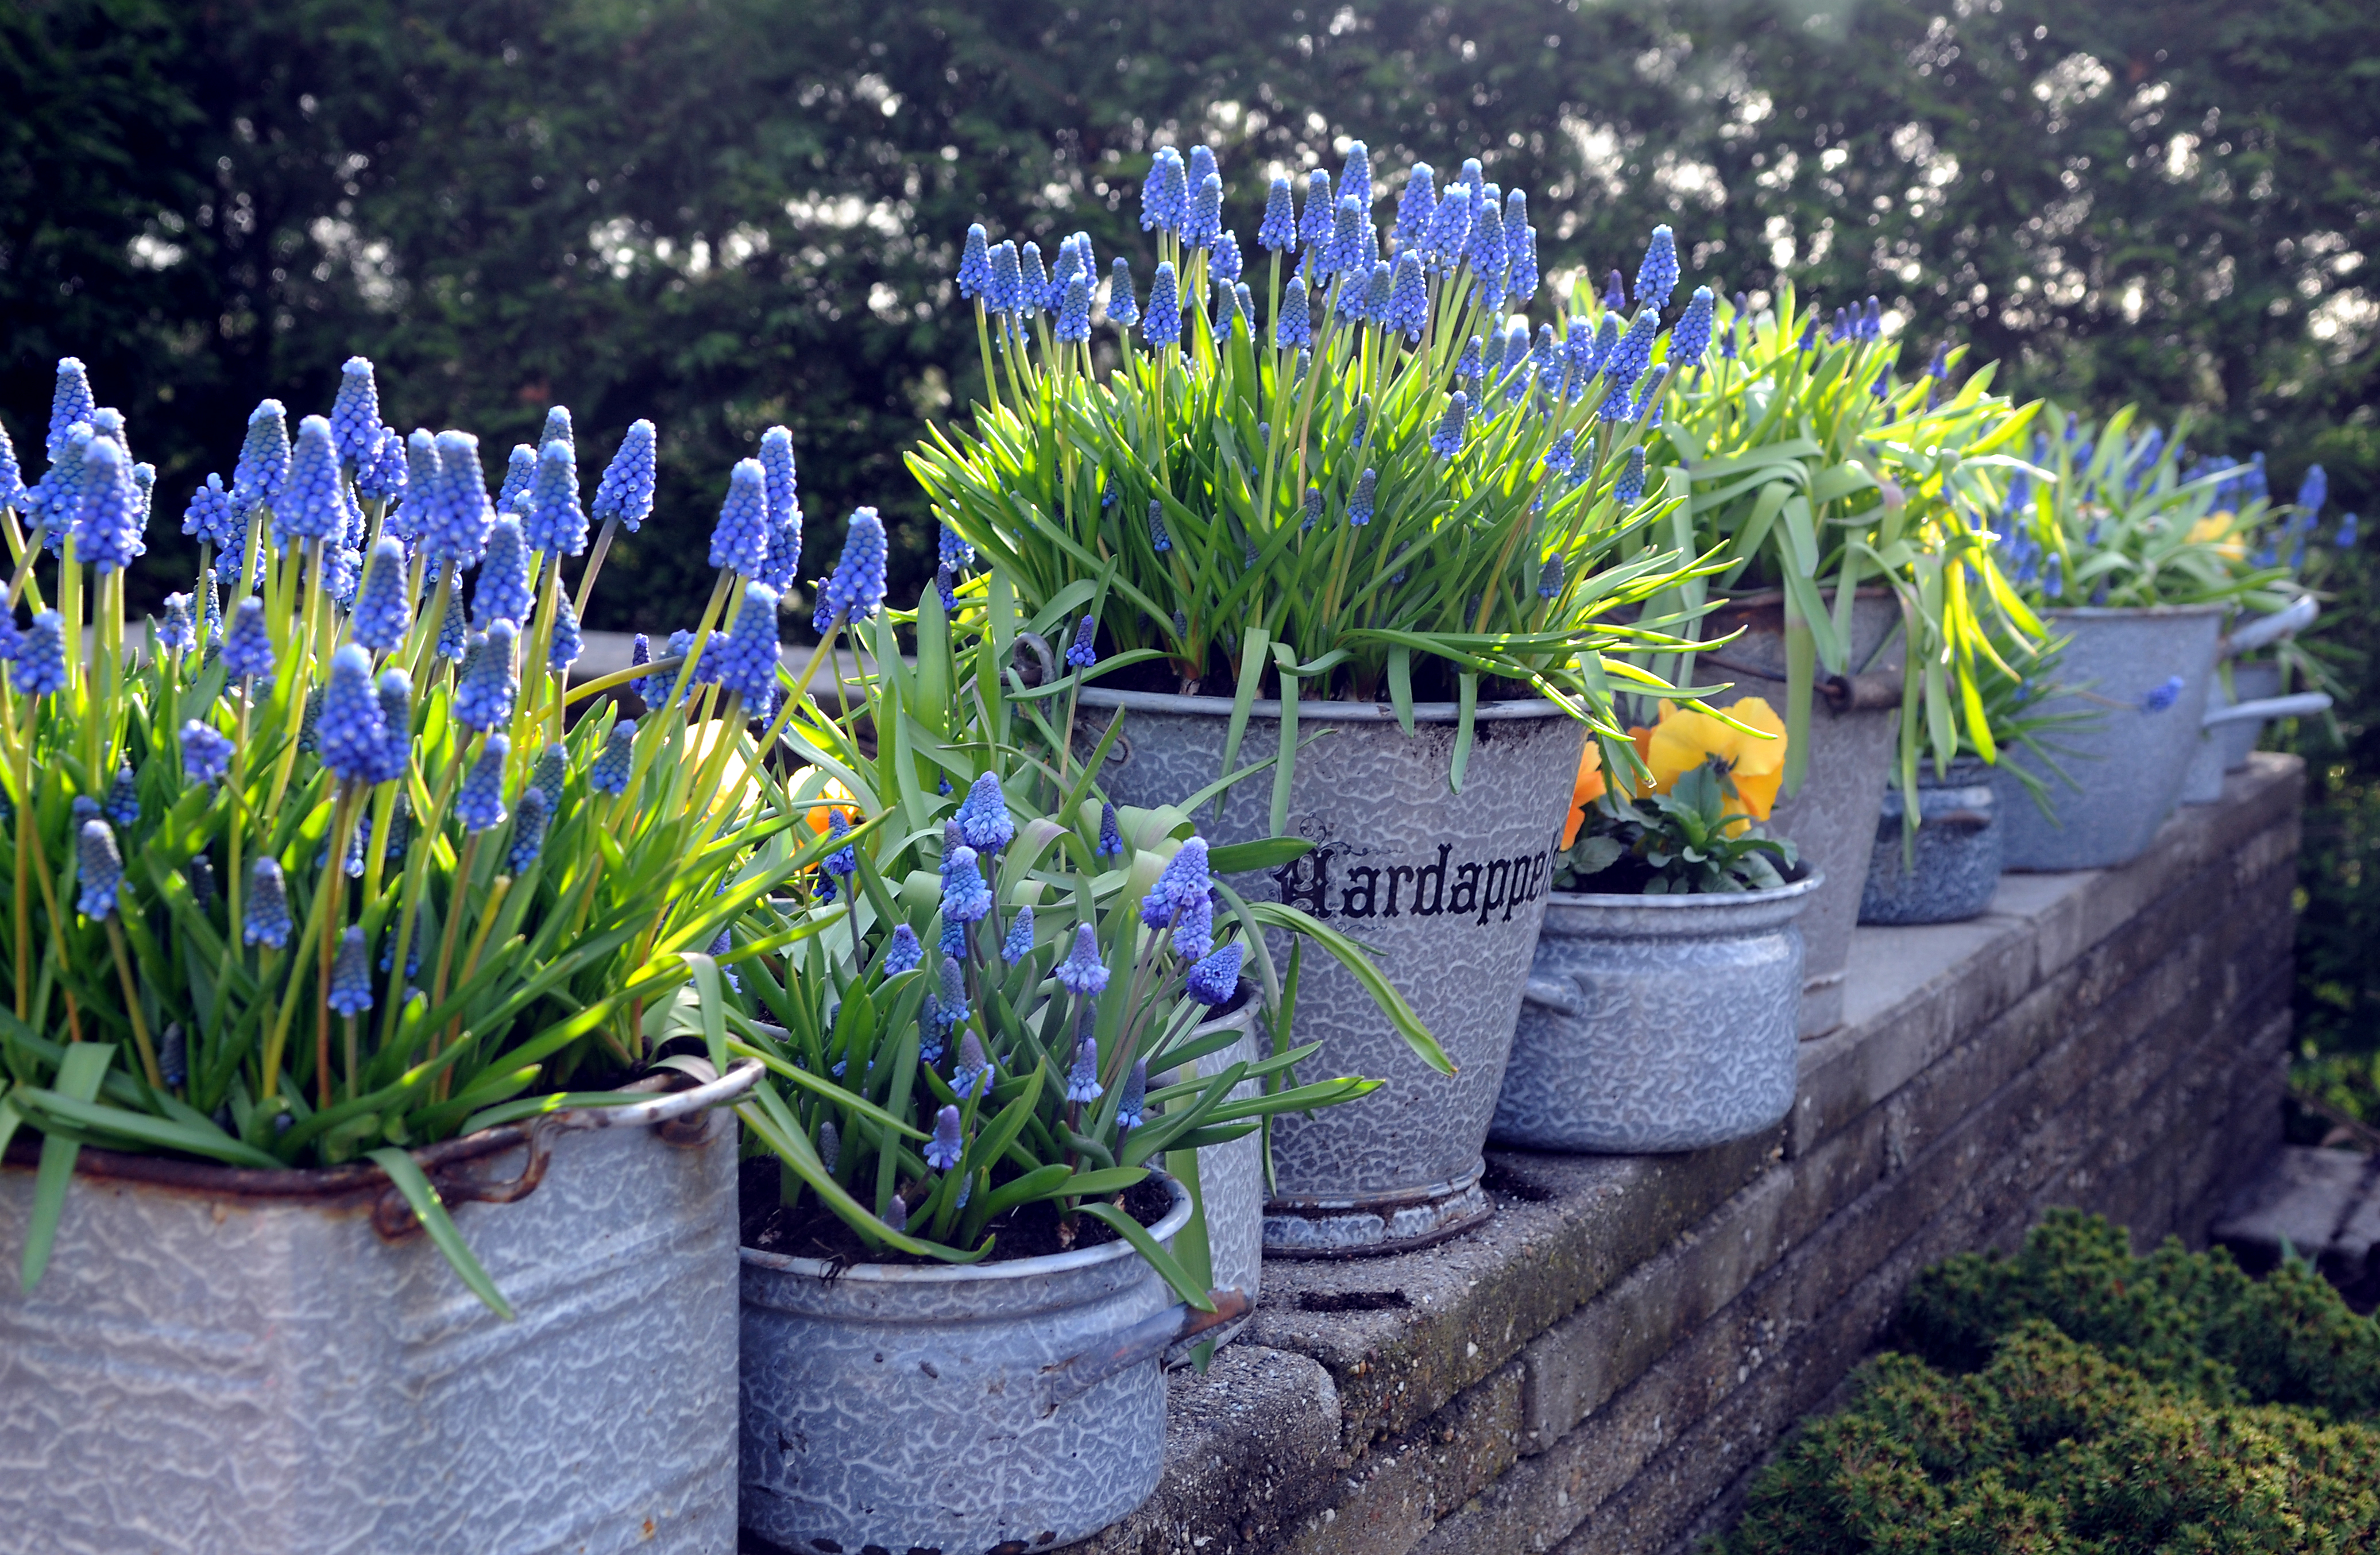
[[2074, 1398]]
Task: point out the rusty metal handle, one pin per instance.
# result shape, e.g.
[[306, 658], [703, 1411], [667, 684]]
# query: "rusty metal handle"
[[1959, 821], [1867, 692], [394, 1219], [1145, 1340]]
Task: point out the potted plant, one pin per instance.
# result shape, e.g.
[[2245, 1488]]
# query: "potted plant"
[[2108, 516], [330, 927], [1661, 1013], [1852, 590], [962, 1265], [1363, 526]]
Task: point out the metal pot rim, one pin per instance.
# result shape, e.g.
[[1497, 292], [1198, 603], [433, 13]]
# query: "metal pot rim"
[[1806, 886], [2132, 613], [1048, 1264], [1320, 711], [365, 1177]]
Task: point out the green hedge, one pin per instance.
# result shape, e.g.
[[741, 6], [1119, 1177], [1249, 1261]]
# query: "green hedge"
[[2076, 1398]]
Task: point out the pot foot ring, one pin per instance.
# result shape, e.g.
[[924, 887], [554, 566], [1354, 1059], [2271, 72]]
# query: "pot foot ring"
[[1376, 1226]]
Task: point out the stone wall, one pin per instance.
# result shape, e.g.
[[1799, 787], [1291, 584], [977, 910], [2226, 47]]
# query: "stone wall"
[[1602, 1368]]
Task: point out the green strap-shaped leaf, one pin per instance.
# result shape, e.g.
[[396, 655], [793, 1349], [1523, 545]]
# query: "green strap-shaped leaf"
[[1284, 771], [1465, 726], [1243, 697], [80, 1072], [406, 1173], [1174, 1275]]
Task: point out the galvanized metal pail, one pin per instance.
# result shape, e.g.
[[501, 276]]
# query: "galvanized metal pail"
[[1657, 1023], [233, 1361], [1832, 819], [1447, 887], [2124, 768], [2231, 727], [1957, 848], [956, 1408]]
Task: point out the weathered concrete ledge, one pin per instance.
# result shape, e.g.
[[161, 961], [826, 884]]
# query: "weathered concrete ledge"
[[1600, 1367]]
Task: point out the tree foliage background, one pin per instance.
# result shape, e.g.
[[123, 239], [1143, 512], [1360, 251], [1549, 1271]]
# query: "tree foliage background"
[[725, 214]]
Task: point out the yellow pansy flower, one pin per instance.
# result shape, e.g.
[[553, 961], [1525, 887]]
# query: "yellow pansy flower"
[[2215, 527], [1685, 739]]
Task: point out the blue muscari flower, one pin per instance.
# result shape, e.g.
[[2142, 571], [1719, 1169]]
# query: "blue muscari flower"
[[2053, 577], [1277, 231], [351, 993], [528, 829], [855, 591], [1882, 387], [1408, 309], [1871, 324], [1082, 1079], [1214, 980], [567, 644], [265, 920], [1488, 254], [58, 498], [380, 475], [100, 868], [1194, 930], [1075, 312], [944, 582], [1007, 292], [1110, 843], [343, 569], [206, 754], [896, 1215], [1559, 457], [520, 473], [557, 430], [503, 591], [1344, 251], [1204, 222], [355, 413], [1359, 505], [740, 540], [40, 667], [395, 691], [1184, 877], [1446, 441], [747, 664], [247, 646], [554, 523], [974, 1070], [1134, 1103], [1470, 365], [1520, 249], [457, 517], [1549, 579], [1068, 264], [952, 549], [1314, 228], [1415, 206], [1449, 230], [842, 861], [1691, 336], [382, 614], [1082, 653], [1355, 182], [1356, 295], [209, 516], [550, 772], [424, 476], [625, 491], [1161, 325], [1629, 489], [1626, 363], [2313, 490], [2346, 540], [1809, 332], [2163, 696], [352, 732], [178, 633], [1083, 972], [12, 640], [1293, 326], [982, 816], [945, 1150], [264, 459], [950, 1001], [453, 629], [1843, 329], [1122, 310], [1033, 282], [1938, 367], [70, 402], [479, 804], [785, 508], [486, 688], [1727, 343], [1649, 403], [107, 521], [122, 806], [974, 265], [965, 899], [608, 771], [1226, 263], [902, 952], [1019, 943], [1165, 193], [1313, 509]]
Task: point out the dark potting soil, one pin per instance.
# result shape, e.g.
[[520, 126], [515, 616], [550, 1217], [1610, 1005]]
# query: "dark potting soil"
[[809, 1229], [1432, 682]]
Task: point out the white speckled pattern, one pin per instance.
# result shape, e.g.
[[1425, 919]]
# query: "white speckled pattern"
[[227, 1376], [1447, 887], [1660, 1022]]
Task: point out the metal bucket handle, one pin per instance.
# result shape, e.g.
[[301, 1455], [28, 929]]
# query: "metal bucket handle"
[[2304, 704], [1145, 1340], [394, 1219], [1558, 994]]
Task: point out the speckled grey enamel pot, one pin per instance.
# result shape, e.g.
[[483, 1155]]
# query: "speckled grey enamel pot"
[[2224, 741], [2124, 769], [954, 1409], [1832, 819], [1230, 1176], [1657, 1023], [1447, 888], [1958, 849], [223, 1362]]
